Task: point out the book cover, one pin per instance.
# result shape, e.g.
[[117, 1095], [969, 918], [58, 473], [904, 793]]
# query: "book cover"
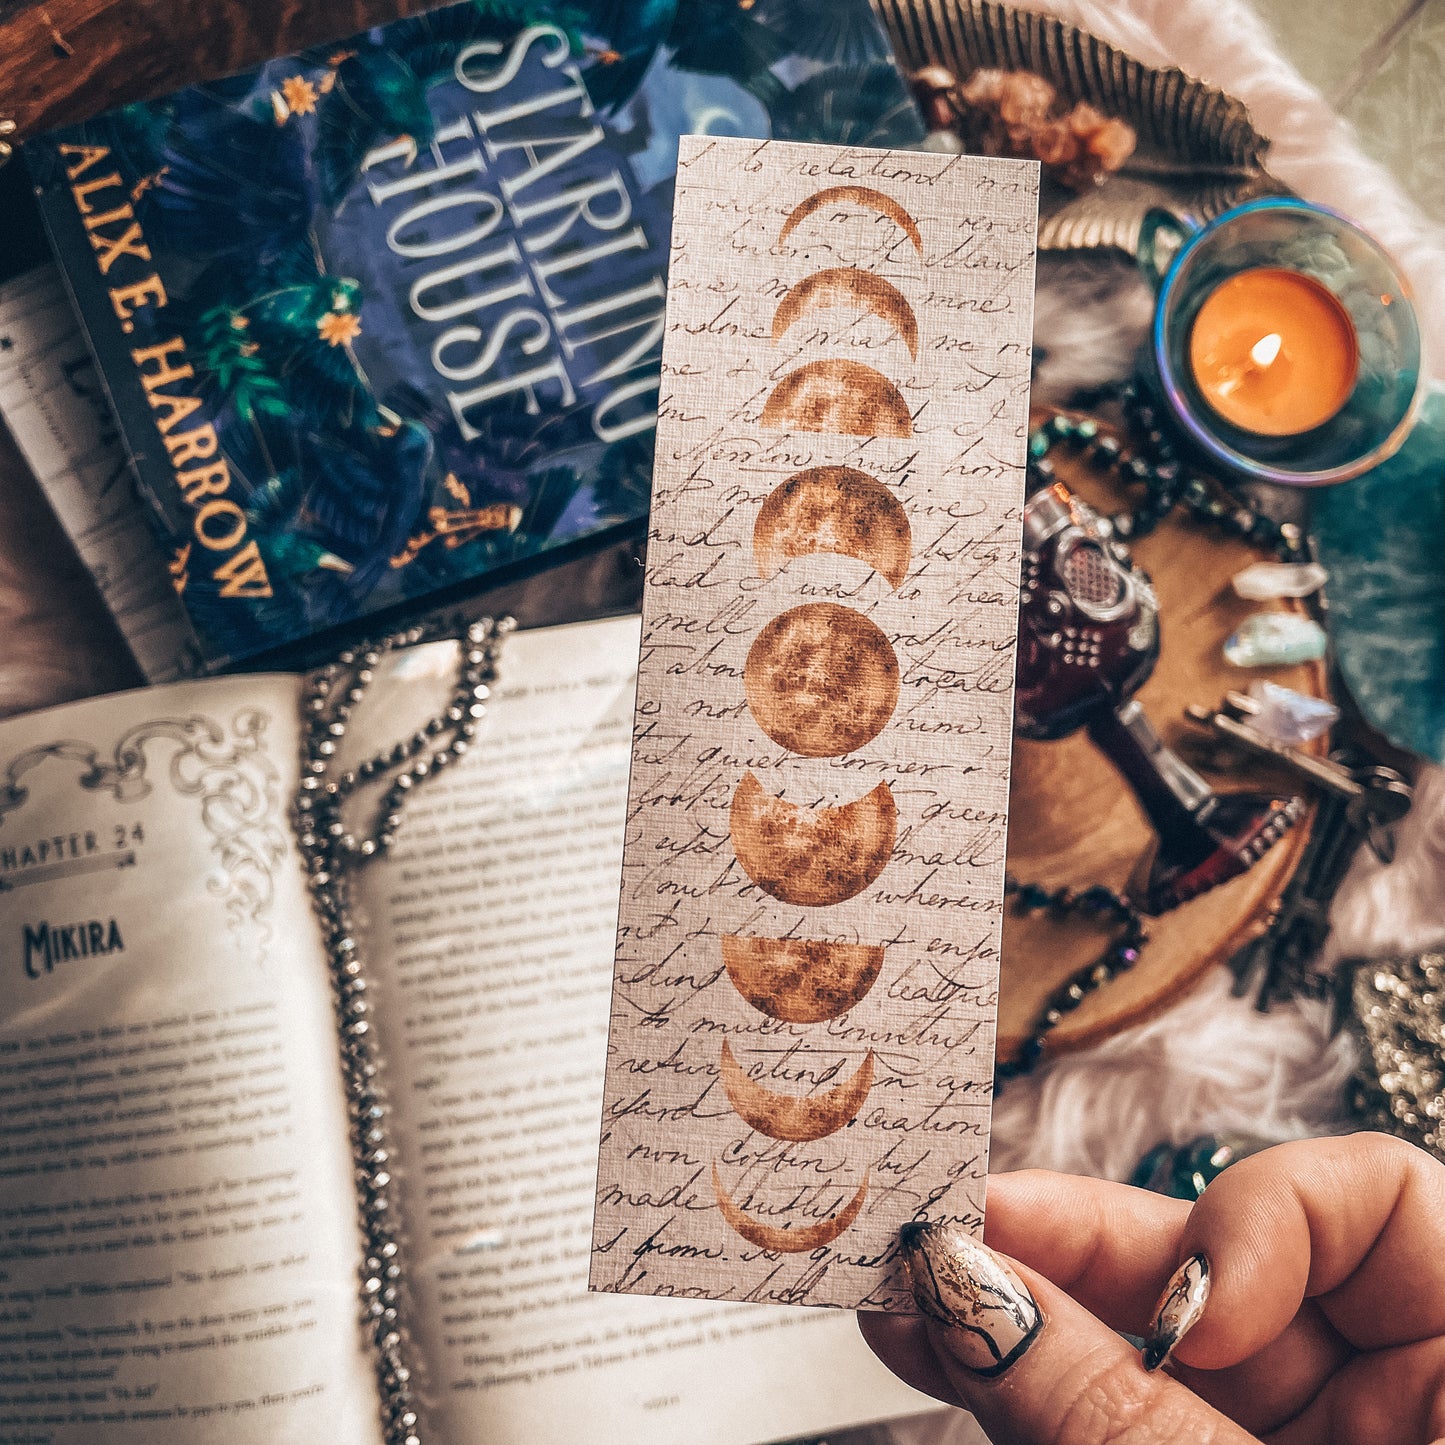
[[385, 317]]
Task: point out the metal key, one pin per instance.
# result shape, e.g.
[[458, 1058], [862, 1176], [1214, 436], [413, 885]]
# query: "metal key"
[[1375, 797], [1279, 958]]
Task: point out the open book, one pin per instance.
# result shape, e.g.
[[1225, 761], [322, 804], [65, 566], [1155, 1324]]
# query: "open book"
[[179, 1248]]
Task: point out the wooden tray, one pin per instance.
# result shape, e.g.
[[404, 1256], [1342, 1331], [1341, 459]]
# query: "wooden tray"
[[1074, 822]]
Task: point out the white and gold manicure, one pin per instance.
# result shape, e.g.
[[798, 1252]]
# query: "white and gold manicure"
[[991, 1316]]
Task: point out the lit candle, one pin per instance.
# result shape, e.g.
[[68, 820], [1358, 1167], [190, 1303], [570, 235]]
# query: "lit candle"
[[1273, 352]]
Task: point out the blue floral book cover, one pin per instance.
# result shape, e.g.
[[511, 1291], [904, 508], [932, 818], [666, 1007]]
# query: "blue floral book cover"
[[385, 317]]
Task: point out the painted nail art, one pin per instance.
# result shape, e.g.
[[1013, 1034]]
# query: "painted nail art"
[[987, 1309], [1179, 1310]]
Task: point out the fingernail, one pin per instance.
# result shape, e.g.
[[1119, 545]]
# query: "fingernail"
[[1179, 1310], [989, 1316]]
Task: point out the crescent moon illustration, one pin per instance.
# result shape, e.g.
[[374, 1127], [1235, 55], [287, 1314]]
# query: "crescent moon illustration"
[[821, 680], [780, 1240], [812, 857], [801, 980], [845, 287], [787, 1116], [833, 509], [840, 396], [864, 196]]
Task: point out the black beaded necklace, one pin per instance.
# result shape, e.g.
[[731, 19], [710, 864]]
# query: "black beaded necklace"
[[1095, 902], [1155, 468]]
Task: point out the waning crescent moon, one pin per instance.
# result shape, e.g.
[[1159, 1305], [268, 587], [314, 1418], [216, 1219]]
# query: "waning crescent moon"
[[788, 1116], [779, 1240], [864, 196], [812, 857], [833, 509], [840, 396], [845, 287], [822, 680], [801, 980]]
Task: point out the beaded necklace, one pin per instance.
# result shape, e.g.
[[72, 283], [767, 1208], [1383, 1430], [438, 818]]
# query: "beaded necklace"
[[331, 851]]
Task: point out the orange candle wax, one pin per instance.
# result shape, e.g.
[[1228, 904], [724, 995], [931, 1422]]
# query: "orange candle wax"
[[1273, 352]]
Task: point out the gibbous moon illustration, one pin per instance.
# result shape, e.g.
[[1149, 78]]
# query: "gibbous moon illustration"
[[864, 196], [801, 980], [812, 857], [833, 509], [846, 288], [788, 1116], [778, 1240], [833, 395], [821, 680]]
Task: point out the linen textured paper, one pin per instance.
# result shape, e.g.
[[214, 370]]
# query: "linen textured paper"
[[800, 1055]]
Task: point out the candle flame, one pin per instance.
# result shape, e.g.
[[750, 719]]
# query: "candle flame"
[[1266, 349]]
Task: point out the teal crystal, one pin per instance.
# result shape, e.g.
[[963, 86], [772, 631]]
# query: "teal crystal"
[[1275, 639], [1382, 537]]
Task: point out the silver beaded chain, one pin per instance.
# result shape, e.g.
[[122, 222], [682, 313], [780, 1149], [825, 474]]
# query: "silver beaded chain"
[[331, 851]]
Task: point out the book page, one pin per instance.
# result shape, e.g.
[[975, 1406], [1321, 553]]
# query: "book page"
[[54, 404], [820, 767], [178, 1248], [491, 937]]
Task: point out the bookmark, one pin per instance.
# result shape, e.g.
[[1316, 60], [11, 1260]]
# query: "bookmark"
[[802, 1033]]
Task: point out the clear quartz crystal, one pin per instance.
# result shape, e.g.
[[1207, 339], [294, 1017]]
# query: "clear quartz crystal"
[[1288, 716], [1275, 639], [1264, 581]]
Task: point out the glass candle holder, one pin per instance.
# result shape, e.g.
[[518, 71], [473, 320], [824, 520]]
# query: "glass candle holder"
[[1285, 341]]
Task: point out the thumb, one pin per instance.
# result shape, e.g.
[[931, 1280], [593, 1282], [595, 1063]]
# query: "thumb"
[[1034, 1366]]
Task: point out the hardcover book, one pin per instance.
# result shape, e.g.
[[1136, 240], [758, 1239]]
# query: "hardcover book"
[[385, 317], [180, 1150]]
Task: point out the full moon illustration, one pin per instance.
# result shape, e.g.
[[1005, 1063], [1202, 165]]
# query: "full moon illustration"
[[821, 680], [841, 396], [812, 857], [801, 980], [833, 509], [846, 288], [775, 1237], [790, 1116], [863, 197]]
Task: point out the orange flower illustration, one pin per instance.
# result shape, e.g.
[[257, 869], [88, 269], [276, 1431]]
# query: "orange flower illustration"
[[300, 94], [339, 328]]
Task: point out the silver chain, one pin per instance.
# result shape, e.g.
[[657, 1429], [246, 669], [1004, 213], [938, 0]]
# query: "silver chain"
[[331, 852]]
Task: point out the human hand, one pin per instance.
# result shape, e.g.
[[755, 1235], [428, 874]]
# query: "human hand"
[[1316, 1318]]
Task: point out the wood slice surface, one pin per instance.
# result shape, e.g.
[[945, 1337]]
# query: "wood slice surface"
[[1074, 822]]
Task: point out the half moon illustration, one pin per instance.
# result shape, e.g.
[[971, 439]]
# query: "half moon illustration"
[[789, 1116], [839, 396], [846, 288], [780, 1240], [821, 680], [812, 857], [801, 980], [864, 196]]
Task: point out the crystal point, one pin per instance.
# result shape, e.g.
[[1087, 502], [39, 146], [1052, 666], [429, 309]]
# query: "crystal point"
[[1264, 581], [1288, 716], [1275, 639]]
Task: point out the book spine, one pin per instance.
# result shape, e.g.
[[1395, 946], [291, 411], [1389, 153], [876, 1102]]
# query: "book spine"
[[84, 195]]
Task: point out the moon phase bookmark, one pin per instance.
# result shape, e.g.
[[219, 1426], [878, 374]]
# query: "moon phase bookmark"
[[802, 1034]]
